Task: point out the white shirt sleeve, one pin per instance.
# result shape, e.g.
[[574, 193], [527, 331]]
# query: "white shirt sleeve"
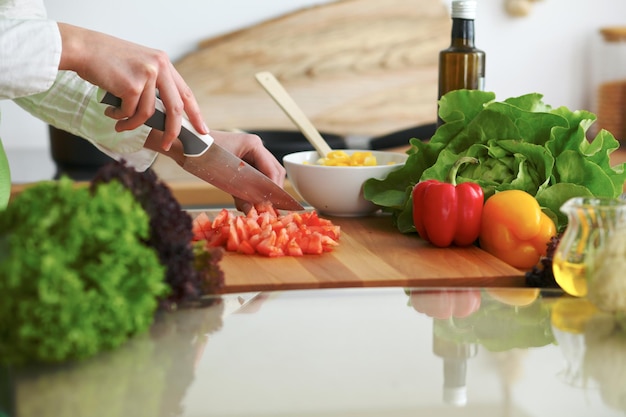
[[71, 104], [30, 51]]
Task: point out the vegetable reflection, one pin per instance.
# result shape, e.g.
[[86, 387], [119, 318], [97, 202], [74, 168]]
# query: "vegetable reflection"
[[499, 319], [148, 376], [483, 317], [443, 304]]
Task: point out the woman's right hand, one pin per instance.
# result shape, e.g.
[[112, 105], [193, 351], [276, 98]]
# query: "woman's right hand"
[[133, 73]]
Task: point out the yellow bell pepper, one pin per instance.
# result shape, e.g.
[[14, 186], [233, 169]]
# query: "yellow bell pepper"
[[514, 229]]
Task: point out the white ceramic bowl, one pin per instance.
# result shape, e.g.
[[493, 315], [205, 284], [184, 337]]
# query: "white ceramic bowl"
[[337, 190]]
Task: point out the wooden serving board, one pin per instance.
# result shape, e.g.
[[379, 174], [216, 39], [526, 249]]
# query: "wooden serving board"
[[364, 67], [371, 253]]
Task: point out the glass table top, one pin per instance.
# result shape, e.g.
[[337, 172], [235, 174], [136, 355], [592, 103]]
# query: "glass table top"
[[349, 352]]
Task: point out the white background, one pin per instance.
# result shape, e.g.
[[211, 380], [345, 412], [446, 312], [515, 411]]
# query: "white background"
[[547, 51]]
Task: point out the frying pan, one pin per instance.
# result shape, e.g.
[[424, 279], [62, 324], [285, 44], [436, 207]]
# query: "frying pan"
[[74, 156], [283, 142]]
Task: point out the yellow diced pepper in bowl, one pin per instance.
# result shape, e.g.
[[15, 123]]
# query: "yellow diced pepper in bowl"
[[341, 158]]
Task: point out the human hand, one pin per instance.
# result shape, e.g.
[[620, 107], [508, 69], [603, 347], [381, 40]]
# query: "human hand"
[[246, 146], [250, 148], [133, 73]]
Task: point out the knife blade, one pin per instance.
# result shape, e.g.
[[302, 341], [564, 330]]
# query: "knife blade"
[[215, 165]]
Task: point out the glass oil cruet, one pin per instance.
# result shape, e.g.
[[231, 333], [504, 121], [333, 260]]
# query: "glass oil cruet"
[[591, 222]]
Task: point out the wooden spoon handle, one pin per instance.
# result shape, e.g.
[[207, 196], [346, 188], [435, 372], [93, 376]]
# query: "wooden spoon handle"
[[275, 89]]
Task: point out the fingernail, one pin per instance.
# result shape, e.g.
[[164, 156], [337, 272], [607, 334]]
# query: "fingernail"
[[167, 146], [206, 128], [246, 207]]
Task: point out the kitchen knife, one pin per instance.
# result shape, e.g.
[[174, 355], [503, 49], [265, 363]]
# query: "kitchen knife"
[[215, 165]]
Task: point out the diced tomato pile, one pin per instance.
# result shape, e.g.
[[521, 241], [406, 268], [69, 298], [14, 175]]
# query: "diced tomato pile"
[[263, 230]]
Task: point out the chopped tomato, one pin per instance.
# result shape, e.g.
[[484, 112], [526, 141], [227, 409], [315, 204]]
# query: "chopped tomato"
[[246, 248], [312, 244], [232, 244], [293, 248], [268, 246], [199, 223], [263, 230]]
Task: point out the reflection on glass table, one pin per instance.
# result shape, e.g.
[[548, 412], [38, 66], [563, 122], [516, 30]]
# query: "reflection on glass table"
[[349, 352]]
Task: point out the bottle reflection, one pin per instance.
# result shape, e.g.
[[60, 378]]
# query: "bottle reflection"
[[455, 356], [444, 306]]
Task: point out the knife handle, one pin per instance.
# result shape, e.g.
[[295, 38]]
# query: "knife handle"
[[194, 143]]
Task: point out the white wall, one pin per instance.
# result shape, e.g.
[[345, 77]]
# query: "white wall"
[[549, 51], [545, 52]]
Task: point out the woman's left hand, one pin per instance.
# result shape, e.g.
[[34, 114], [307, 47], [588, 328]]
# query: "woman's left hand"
[[250, 148], [246, 146]]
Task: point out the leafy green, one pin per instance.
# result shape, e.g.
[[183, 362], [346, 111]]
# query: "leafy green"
[[499, 327], [5, 178], [521, 143], [77, 276], [192, 269]]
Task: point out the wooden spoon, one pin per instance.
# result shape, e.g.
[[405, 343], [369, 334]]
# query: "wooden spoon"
[[275, 89]]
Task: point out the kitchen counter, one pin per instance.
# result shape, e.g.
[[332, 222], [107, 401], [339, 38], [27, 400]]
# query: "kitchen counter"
[[347, 352], [190, 191], [30, 166], [442, 346]]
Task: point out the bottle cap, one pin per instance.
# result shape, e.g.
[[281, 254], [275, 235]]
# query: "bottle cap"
[[454, 388], [464, 9], [456, 396]]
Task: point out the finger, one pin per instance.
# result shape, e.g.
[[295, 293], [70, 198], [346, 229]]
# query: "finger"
[[125, 110], [192, 108], [114, 113], [173, 109], [242, 205], [142, 110], [265, 162], [250, 148]]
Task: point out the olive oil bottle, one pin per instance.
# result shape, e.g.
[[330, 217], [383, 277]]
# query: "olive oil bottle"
[[462, 65]]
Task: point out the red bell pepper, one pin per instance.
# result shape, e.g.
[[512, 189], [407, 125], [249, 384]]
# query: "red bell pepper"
[[445, 304], [445, 213]]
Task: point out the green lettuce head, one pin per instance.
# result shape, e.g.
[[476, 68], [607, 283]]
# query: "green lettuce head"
[[521, 143]]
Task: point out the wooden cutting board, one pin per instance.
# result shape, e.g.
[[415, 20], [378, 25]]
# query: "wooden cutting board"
[[354, 66], [371, 253]]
